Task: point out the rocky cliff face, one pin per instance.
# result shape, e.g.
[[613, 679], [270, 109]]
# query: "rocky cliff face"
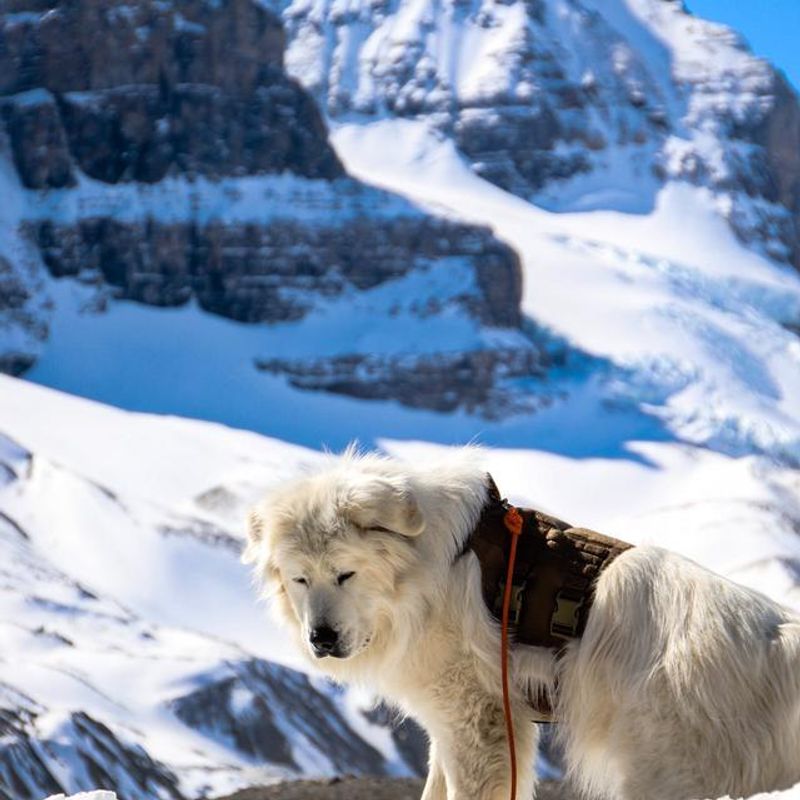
[[160, 153], [573, 105], [276, 272], [134, 92], [25, 306], [479, 381]]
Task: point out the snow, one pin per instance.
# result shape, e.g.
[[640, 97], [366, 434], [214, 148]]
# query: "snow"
[[255, 198], [126, 591], [135, 357], [788, 794], [692, 317], [97, 795]]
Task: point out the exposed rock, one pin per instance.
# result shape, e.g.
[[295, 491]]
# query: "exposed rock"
[[513, 147], [261, 709], [100, 44], [229, 712], [149, 89], [773, 171], [476, 381], [80, 752], [146, 133], [410, 740], [23, 774], [37, 141], [24, 312], [276, 272], [111, 763]]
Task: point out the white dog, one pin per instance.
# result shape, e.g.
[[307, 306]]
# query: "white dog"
[[683, 685]]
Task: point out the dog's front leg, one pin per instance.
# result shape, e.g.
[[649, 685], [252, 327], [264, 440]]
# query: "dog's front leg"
[[435, 785], [474, 756]]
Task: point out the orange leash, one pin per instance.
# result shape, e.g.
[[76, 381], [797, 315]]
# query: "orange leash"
[[513, 521]]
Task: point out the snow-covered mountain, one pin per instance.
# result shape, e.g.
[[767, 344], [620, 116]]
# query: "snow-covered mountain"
[[565, 228], [573, 104]]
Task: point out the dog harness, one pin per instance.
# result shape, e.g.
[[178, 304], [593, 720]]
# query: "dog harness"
[[555, 568]]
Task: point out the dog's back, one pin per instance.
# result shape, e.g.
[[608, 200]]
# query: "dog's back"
[[685, 685]]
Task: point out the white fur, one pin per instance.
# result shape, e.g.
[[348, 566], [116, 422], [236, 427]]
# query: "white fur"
[[684, 684]]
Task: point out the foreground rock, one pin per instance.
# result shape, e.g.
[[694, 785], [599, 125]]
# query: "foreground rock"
[[364, 789]]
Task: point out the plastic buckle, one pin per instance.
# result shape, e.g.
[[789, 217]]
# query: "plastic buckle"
[[515, 603], [566, 618]]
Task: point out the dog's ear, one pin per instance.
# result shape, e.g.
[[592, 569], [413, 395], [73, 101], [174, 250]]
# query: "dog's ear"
[[255, 536], [380, 503]]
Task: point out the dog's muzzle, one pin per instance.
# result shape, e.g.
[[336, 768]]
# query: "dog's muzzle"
[[325, 642]]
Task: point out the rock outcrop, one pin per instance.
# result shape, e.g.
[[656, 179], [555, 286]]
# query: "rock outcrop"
[[276, 272], [80, 752], [475, 380], [24, 307], [261, 710], [134, 92]]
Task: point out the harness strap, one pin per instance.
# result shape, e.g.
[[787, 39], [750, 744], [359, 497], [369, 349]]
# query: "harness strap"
[[549, 584]]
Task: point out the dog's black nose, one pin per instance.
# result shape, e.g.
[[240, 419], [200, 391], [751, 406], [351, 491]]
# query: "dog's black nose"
[[324, 640]]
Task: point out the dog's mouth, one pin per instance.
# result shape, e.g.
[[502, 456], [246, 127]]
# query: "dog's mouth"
[[336, 652], [339, 651], [319, 655]]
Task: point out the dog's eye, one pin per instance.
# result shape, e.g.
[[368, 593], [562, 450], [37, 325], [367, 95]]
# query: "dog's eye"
[[345, 576], [301, 581]]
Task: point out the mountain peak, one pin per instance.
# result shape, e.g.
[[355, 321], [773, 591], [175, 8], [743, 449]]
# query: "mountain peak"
[[573, 105]]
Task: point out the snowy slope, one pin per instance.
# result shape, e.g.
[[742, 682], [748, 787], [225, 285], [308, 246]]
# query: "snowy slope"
[[129, 625], [694, 325], [132, 652]]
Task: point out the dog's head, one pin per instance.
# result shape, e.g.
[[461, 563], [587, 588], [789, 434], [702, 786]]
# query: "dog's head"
[[333, 550]]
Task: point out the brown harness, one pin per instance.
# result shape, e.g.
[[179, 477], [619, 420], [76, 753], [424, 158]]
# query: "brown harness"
[[554, 572]]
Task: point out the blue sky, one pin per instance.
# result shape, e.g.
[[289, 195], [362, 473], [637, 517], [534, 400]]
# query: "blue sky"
[[771, 27]]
